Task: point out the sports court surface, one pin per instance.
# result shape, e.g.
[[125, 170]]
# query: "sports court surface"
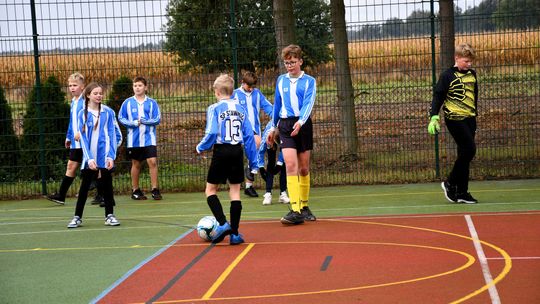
[[371, 244]]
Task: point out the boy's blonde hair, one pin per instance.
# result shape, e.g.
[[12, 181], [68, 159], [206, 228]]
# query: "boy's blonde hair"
[[76, 77], [224, 85], [465, 50], [290, 51]]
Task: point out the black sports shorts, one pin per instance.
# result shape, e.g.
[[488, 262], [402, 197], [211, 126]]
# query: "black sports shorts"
[[303, 141], [142, 153], [227, 164], [76, 155]]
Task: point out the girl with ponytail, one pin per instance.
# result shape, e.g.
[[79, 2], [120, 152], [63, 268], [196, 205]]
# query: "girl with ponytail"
[[97, 135]]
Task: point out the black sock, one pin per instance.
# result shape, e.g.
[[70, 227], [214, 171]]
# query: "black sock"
[[216, 208], [236, 212], [64, 187]]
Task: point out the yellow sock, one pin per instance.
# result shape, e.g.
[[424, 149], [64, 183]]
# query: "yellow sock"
[[293, 187], [304, 190]]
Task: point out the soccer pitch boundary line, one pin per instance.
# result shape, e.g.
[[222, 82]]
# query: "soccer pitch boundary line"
[[312, 198], [268, 212]]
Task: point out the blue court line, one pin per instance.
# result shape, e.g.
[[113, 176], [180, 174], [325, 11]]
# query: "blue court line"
[[180, 274], [139, 266], [326, 263]]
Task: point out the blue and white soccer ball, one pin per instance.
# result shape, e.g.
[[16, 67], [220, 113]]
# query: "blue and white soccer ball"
[[206, 227]]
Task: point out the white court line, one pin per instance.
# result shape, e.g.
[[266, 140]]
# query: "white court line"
[[493, 294], [516, 258]]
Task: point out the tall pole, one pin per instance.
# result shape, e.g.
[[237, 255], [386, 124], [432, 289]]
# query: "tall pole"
[[434, 82], [38, 99], [232, 27]]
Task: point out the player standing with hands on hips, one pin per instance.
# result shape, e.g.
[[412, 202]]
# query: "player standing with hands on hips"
[[293, 103], [227, 128], [457, 93]]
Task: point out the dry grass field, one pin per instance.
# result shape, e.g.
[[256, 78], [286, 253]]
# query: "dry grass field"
[[390, 59]]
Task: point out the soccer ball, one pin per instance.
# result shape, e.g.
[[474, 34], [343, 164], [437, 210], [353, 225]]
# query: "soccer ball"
[[206, 227]]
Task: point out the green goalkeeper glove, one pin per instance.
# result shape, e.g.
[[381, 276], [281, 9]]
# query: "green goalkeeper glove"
[[434, 127]]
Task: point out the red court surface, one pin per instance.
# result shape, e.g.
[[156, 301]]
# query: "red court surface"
[[457, 258]]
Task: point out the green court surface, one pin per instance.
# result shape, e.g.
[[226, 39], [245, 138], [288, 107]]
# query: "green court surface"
[[41, 261]]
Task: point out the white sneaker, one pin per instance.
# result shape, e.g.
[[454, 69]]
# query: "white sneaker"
[[111, 220], [267, 199], [283, 198], [75, 222]]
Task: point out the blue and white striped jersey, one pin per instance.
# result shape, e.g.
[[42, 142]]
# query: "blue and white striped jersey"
[[119, 136], [143, 135], [227, 123], [294, 97], [254, 101], [99, 144], [264, 146], [77, 104]]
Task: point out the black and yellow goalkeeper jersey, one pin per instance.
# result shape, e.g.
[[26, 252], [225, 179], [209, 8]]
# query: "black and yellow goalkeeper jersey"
[[457, 92]]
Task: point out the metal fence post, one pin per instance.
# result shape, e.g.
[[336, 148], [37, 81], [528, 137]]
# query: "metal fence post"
[[434, 81], [234, 43], [38, 99]]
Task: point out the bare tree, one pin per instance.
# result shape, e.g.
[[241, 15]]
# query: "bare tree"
[[345, 90], [284, 27], [446, 11]]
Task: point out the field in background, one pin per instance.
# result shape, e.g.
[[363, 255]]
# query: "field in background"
[[386, 60]]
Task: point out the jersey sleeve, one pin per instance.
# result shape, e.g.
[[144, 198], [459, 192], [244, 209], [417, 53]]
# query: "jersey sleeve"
[[85, 145], [277, 104], [70, 134], [249, 144], [439, 92], [266, 105], [155, 115], [124, 118], [210, 133], [111, 130], [309, 100]]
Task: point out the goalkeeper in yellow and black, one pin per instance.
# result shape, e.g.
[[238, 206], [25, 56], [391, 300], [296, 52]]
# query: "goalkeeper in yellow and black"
[[457, 93]]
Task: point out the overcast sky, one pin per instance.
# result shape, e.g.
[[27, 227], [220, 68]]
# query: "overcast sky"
[[67, 24]]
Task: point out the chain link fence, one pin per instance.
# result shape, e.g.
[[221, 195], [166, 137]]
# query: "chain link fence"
[[394, 57]]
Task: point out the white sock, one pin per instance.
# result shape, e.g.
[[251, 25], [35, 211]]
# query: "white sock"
[[248, 185]]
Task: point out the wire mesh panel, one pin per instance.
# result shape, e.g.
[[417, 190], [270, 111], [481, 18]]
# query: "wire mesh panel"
[[180, 47]]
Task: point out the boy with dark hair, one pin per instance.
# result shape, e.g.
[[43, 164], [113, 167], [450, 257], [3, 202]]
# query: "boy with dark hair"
[[227, 128], [457, 93], [253, 100], [140, 114]]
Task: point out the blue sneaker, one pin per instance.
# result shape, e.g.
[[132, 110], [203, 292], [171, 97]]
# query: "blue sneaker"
[[221, 232], [236, 239]]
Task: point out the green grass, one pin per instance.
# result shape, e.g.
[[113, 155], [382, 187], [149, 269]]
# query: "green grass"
[[42, 261]]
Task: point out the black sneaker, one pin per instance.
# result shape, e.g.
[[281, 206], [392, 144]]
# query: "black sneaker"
[[292, 218], [98, 199], [138, 195], [308, 216], [156, 194], [55, 197], [251, 192], [466, 198], [449, 192]]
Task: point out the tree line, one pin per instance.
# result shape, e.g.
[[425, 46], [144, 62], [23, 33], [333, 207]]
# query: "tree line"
[[487, 16]]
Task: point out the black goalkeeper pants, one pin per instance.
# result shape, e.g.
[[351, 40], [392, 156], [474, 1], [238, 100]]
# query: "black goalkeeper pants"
[[463, 132]]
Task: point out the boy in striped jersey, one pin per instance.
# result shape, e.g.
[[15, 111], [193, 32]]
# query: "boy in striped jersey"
[[140, 115], [75, 87], [254, 101], [97, 136], [293, 103], [227, 128]]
